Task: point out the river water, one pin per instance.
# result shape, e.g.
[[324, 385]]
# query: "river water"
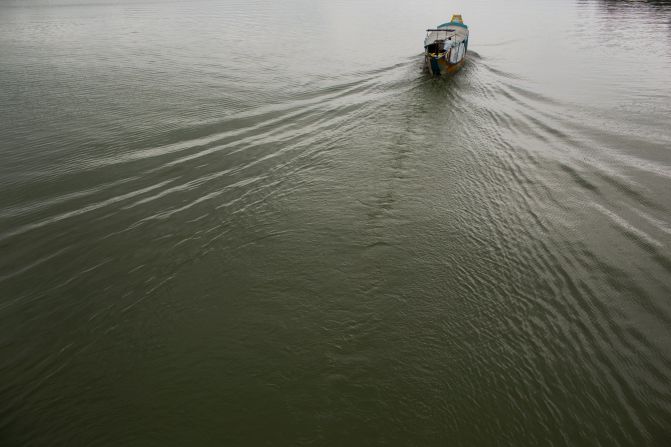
[[262, 223]]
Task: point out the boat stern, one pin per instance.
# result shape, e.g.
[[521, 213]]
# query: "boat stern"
[[438, 64]]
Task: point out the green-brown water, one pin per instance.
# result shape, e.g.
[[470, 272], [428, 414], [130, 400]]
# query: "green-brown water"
[[261, 223]]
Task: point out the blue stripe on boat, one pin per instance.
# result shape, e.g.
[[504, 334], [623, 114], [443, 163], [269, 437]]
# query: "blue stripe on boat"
[[435, 68], [448, 24]]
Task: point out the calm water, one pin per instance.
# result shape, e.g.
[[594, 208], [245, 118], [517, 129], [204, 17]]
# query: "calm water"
[[261, 223]]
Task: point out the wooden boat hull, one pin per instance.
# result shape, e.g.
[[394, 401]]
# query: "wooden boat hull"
[[438, 66]]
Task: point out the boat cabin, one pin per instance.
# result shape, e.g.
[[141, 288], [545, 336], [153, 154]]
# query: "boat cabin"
[[439, 40]]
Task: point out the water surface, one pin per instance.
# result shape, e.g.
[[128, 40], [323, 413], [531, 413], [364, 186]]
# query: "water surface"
[[262, 223]]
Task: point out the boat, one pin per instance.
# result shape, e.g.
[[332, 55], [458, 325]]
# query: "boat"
[[445, 46]]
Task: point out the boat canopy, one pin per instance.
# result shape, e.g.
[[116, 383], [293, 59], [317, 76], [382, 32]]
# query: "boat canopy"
[[432, 35], [447, 35]]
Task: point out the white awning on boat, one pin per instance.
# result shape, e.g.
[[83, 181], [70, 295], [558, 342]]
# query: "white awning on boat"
[[455, 34]]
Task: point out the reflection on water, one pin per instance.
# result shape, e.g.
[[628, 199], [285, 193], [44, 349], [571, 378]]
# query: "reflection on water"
[[259, 223]]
